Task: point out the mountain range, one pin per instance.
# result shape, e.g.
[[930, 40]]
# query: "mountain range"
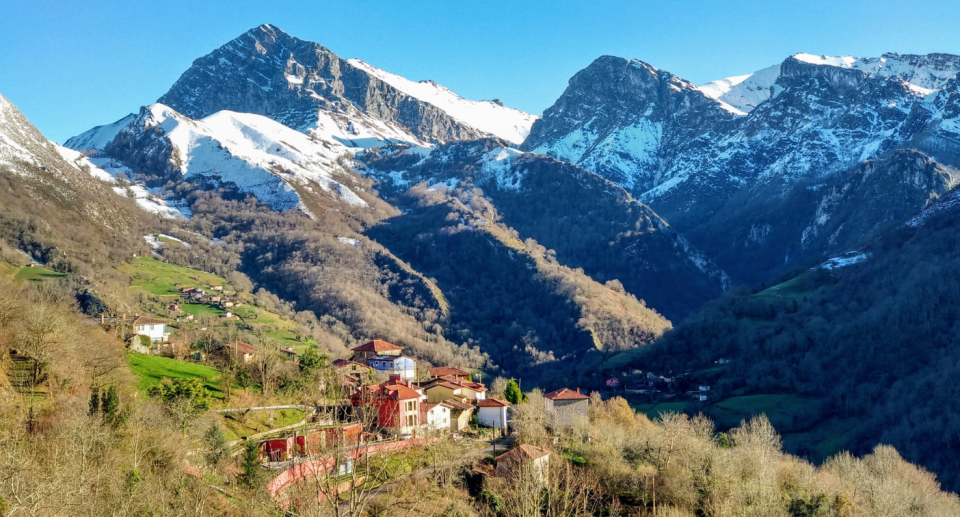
[[473, 233]]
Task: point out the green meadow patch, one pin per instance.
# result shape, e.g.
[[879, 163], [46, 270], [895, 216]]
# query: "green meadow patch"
[[151, 369]]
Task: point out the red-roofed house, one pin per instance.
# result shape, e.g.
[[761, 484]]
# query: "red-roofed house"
[[239, 351], [447, 387], [443, 371], [566, 406], [492, 413], [377, 347], [511, 462], [396, 402]]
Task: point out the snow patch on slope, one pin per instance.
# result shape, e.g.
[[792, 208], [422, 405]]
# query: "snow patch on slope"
[[743, 92], [847, 259], [488, 116]]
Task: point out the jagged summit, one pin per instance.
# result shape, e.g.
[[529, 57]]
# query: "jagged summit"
[[293, 81]]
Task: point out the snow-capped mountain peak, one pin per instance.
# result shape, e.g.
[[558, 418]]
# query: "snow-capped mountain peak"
[[490, 117]]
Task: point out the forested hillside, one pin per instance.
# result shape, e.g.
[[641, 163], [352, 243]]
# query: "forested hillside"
[[874, 341], [536, 318]]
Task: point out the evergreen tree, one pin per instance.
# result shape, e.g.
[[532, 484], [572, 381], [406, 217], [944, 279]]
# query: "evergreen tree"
[[310, 360], [94, 401], [512, 392], [216, 445], [250, 463], [109, 404]]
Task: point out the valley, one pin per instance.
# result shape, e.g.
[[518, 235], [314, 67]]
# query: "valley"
[[300, 284]]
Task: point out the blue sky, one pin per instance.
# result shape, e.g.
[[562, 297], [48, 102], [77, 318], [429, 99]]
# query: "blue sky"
[[70, 65]]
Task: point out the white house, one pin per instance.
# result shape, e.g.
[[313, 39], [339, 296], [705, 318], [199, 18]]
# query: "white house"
[[434, 417], [153, 328], [492, 413]]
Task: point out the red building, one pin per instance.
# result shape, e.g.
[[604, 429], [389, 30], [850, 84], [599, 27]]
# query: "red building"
[[328, 437], [396, 403]]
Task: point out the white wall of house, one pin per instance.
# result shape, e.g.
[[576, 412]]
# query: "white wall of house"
[[495, 417], [438, 417], [157, 332]]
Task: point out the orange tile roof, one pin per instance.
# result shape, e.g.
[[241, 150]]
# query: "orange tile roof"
[[492, 403], [240, 347], [440, 371], [525, 451], [377, 345], [566, 394]]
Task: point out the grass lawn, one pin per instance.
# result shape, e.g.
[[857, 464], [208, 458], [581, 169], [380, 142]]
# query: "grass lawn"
[[653, 410], [823, 440], [151, 369], [160, 278], [36, 274], [201, 309], [170, 242], [258, 422], [9, 270], [623, 359], [779, 408]]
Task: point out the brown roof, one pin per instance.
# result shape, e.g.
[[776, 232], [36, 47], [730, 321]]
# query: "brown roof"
[[240, 347], [456, 404], [388, 389], [440, 371], [566, 394], [447, 379], [143, 320], [424, 408], [343, 363], [523, 452], [492, 403], [377, 345]]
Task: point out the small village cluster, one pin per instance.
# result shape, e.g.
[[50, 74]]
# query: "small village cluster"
[[401, 408]]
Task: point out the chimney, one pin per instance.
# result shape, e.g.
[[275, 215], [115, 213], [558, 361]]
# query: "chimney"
[[578, 390]]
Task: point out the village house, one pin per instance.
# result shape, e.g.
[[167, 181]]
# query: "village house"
[[447, 387], [434, 417], [443, 371], [352, 367], [216, 288], [289, 353], [461, 412], [403, 366], [565, 406], [510, 463], [493, 413], [174, 308], [375, 348], [153, 328], [395, 402], [238, 351]]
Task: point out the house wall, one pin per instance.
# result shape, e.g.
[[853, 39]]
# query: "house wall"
[[566, 412], [154, 332], [495, 417], [438, 418], [441, 393], [460, 420]]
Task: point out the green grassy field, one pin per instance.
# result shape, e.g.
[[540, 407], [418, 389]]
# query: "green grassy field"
[[151, 369], [201, 309], [655, 409], [160, 278], [827, 438], [779, 408], [36, 274]]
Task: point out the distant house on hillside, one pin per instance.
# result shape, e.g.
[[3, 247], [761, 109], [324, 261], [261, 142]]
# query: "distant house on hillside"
[[238, 351], [351, 367], [565, 406], [512, 462], [155, 329], [289, 353]]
